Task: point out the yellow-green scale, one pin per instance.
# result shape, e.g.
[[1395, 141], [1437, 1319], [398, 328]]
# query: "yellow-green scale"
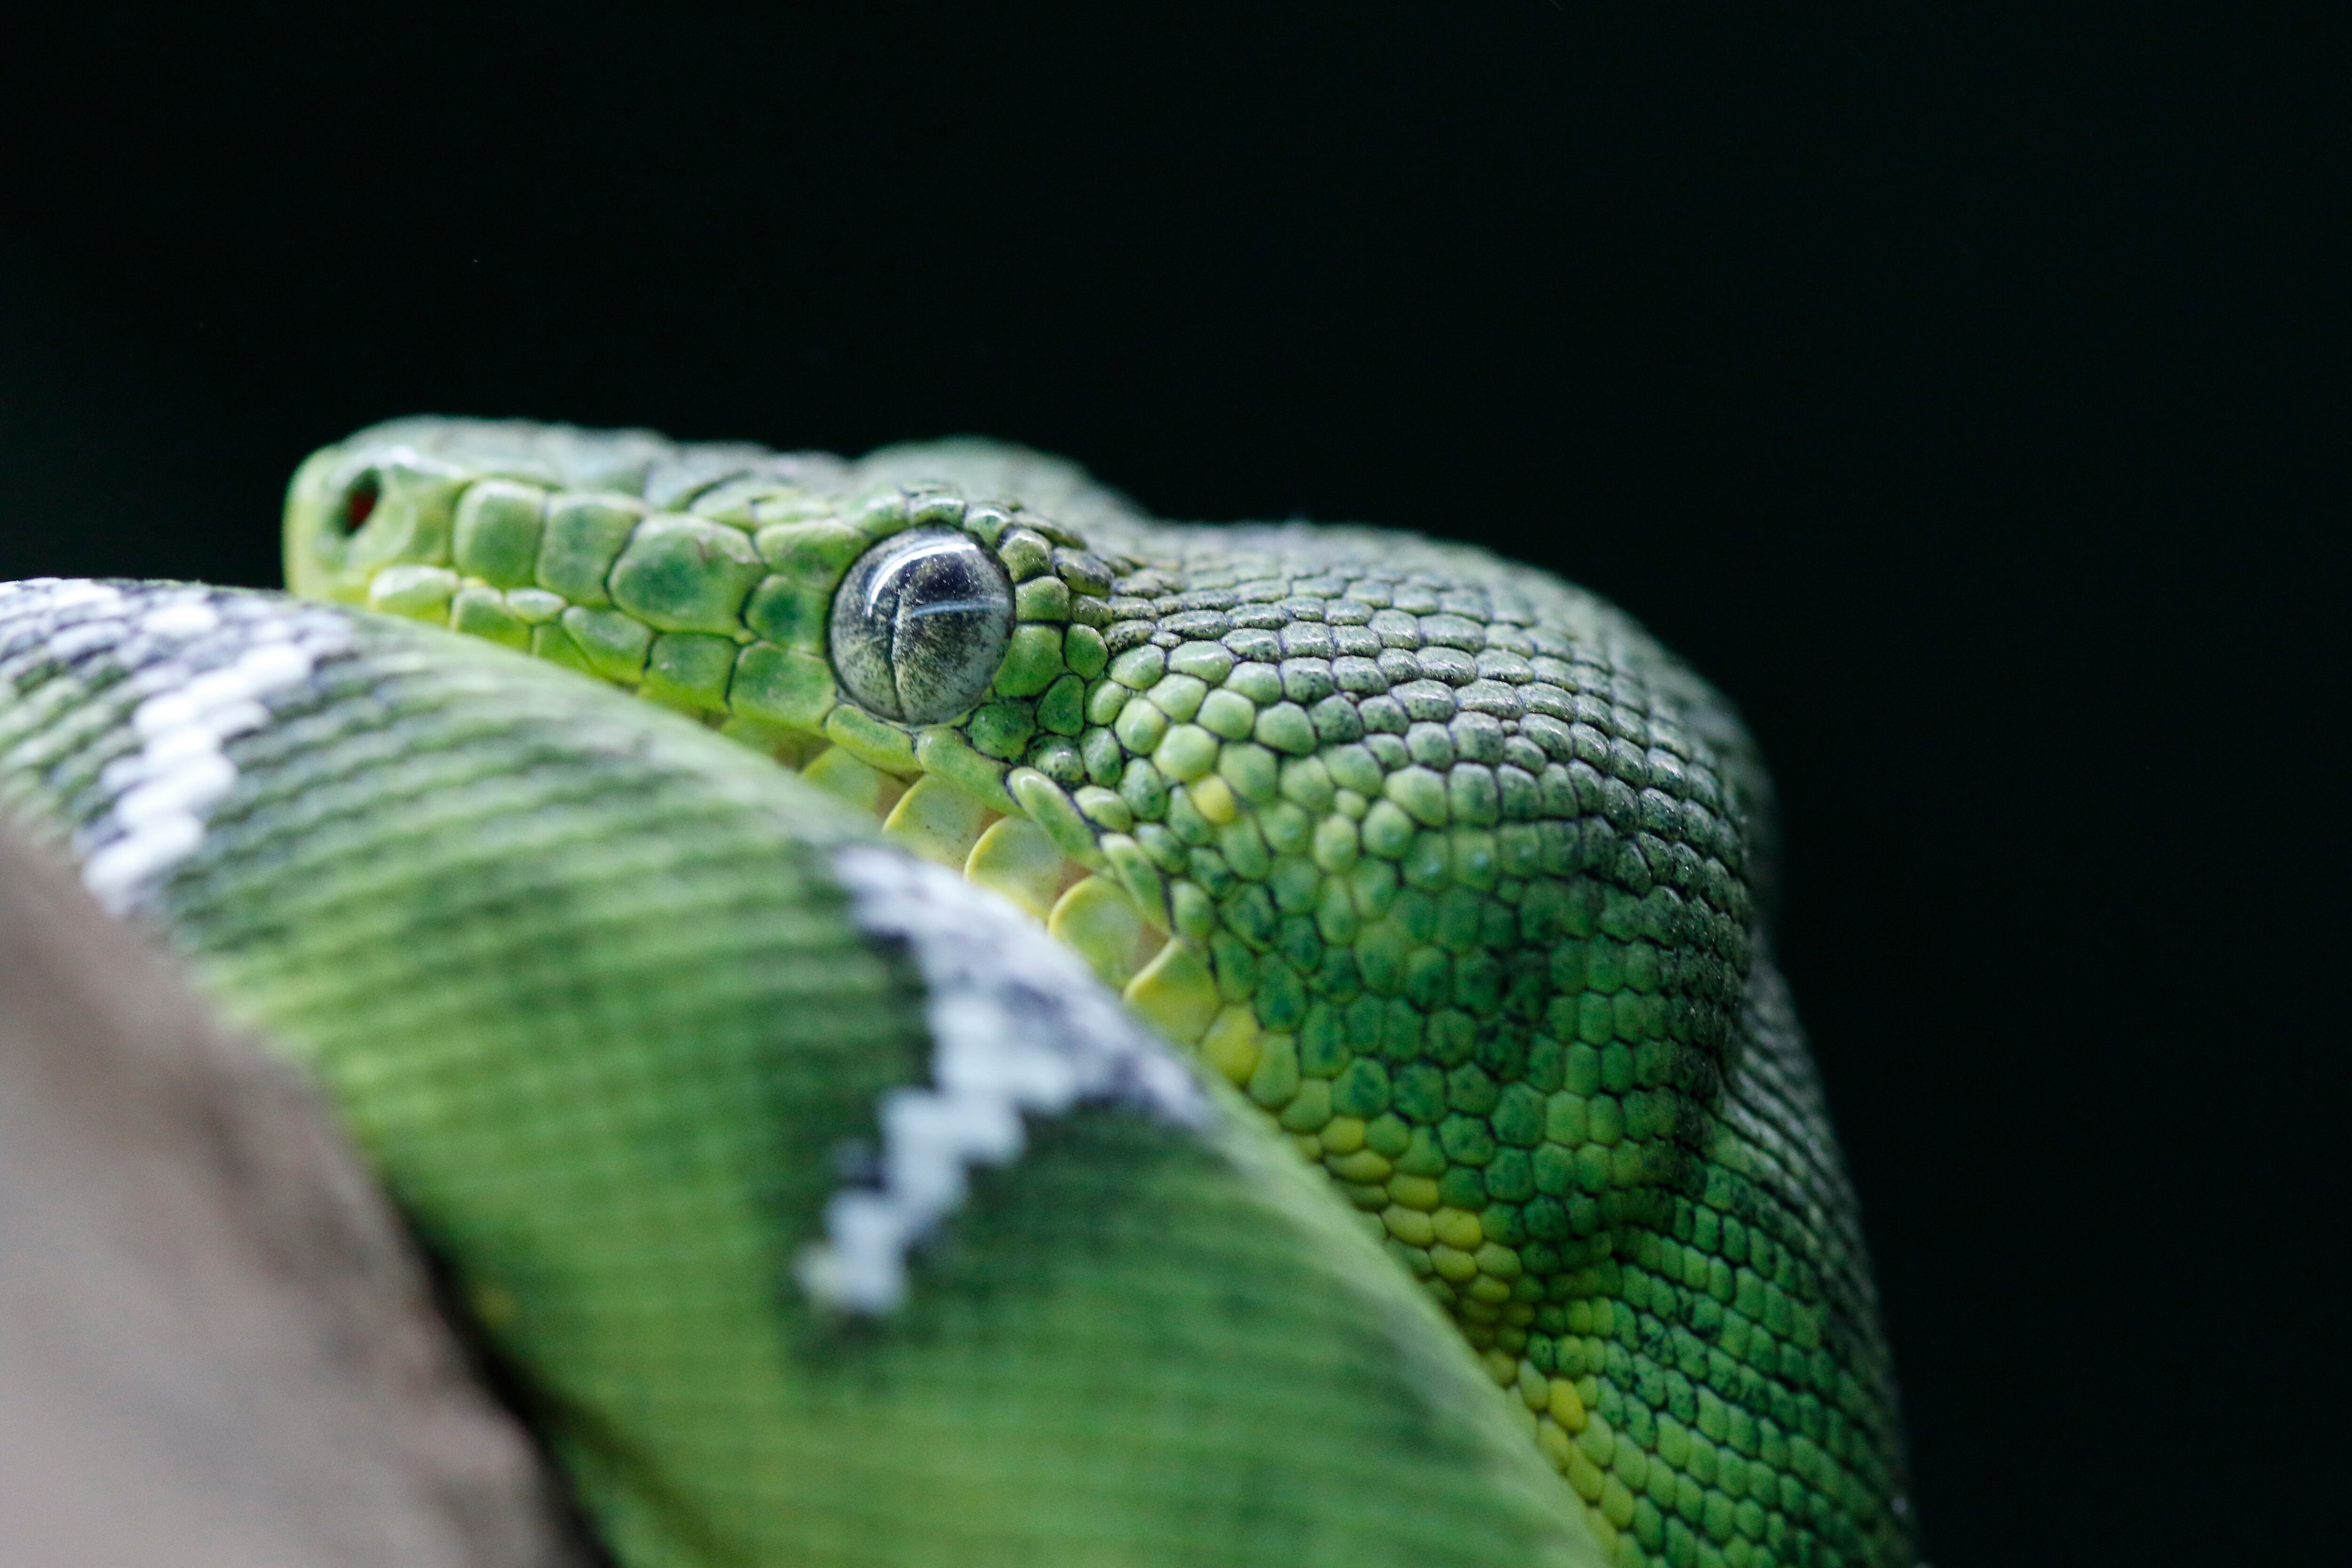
[[1457, 863]]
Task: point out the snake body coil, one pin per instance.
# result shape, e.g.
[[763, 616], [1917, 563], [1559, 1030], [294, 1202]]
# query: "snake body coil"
[[827, 1208]]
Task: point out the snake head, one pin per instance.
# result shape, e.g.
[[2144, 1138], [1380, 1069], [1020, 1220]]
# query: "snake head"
[[1209, 758], [1441, 861]]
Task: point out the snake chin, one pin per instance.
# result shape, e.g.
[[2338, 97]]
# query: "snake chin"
[[1088, 912]]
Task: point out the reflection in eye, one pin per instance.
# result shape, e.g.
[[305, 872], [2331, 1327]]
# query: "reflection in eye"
[[920, 624]]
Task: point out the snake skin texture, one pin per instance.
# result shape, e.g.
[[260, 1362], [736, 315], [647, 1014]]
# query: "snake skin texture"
[[613, 1004], [1442, 862]]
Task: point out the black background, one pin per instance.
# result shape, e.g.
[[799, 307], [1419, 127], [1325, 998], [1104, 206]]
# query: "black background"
[[1961, 390]]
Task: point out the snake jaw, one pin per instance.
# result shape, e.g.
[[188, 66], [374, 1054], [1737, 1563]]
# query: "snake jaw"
[[1126, 943]]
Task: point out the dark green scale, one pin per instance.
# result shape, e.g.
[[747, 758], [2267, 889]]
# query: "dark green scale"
[[1519, 945], [1484, 866]]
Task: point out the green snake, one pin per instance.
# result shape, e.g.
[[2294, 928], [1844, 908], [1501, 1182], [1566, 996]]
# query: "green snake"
[[1452, 1185]]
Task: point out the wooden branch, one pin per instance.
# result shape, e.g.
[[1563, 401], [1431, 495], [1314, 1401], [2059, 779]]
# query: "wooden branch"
[[216, 1347]]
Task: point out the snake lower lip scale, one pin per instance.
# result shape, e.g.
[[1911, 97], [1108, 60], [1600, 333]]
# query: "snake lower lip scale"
[[1503, 1223]]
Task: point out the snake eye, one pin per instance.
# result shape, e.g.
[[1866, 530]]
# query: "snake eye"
[[920, 624]]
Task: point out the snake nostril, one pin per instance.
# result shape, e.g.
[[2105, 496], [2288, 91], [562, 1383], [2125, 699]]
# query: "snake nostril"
[[359, 501]]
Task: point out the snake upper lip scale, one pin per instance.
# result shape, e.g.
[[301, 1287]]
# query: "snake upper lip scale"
[[1446, 874]]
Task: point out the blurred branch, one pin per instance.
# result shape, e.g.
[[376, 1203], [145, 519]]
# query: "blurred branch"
[[216, 1347]]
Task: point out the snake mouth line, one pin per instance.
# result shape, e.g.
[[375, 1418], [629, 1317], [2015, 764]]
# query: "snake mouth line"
[[1127, 946]]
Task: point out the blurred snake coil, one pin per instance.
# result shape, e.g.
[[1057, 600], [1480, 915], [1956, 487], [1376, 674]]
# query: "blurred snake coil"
[[1217, 1045]]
